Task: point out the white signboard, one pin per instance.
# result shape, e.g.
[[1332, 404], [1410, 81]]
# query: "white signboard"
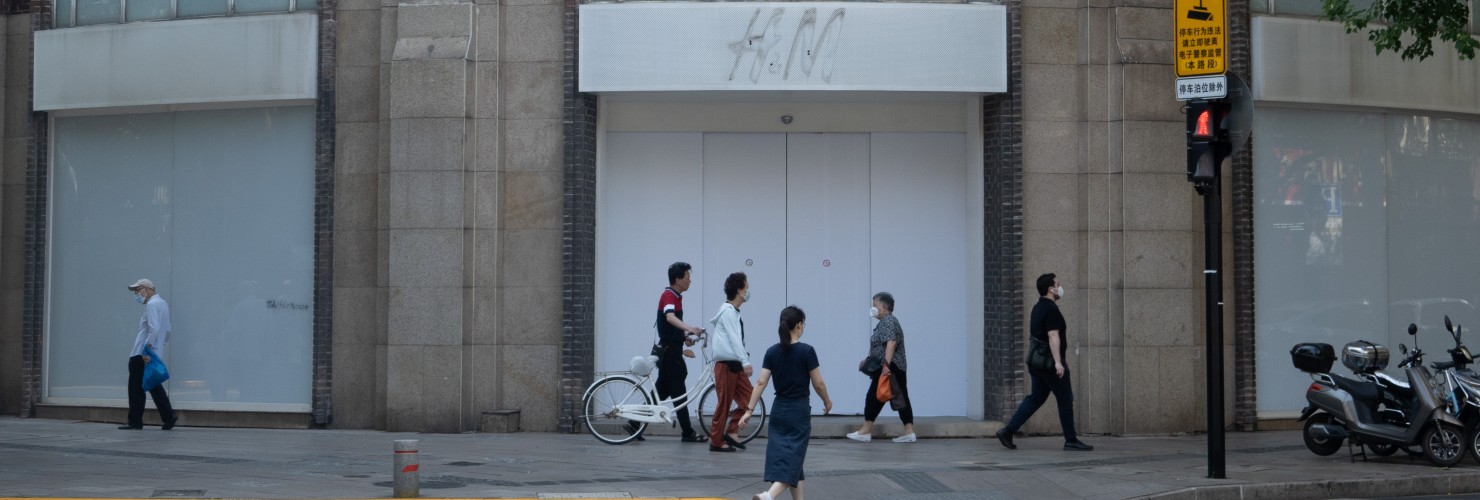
[[1202, 87], [214, 60], [793, 46]]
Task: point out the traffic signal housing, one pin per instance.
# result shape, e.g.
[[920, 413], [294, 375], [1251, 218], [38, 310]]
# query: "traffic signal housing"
[[1208, 142]]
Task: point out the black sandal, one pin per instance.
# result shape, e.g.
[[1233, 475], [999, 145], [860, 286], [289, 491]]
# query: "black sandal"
[[726, 449], [733, 442]]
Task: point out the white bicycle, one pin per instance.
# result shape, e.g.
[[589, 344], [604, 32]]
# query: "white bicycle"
[[619, 406]]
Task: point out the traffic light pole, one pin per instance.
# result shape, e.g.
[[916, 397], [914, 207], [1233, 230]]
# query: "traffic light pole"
[[1213, 291], [1208, 145]]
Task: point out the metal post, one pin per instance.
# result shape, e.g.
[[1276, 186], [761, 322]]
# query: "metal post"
[[1213, 290], [407, 469]]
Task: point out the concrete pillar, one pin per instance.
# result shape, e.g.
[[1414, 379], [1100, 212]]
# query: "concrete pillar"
[[424, 240]]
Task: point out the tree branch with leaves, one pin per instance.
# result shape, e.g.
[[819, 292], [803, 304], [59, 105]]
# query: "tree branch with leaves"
[[1417, 20]]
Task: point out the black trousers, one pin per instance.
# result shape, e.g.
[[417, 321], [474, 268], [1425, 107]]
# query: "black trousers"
[[1044, 383], [136, 395], [872, 406], [670, 384]]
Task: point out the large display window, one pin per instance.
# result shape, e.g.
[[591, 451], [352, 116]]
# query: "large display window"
[[1364, 223], [216, 207]]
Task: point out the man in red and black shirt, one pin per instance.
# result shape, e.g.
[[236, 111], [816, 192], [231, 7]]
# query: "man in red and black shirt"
[[675, 335]]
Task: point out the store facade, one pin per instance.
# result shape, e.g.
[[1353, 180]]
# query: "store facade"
[[418, 217]]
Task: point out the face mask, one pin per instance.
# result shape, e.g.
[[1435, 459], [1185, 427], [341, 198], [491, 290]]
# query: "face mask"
[[873, 312], [747, 296], [1060, 291], [139, 299]]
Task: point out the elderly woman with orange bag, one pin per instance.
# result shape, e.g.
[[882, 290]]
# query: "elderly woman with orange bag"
[[887, 344]]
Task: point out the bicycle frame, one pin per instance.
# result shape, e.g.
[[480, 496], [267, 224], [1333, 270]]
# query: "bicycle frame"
[[664, 411]]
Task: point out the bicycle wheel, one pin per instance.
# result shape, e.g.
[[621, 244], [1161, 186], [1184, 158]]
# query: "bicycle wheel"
[[605, 396], [710, 400]]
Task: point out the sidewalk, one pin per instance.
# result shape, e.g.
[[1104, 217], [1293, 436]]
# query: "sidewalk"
[[55, 458]]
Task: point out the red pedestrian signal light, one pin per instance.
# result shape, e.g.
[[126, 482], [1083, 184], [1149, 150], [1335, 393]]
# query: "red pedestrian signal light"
[[1203, 126], [1207, 139]]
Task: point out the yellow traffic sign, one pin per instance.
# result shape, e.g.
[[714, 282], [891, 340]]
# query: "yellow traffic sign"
[[1201, 38]]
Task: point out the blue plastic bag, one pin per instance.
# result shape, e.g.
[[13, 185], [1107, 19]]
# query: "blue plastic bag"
[[155, 372]]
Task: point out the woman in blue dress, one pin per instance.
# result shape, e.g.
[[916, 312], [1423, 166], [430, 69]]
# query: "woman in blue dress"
[[794, 365]]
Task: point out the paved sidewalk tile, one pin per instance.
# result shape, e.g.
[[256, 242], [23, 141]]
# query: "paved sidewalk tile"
[[54, 458]]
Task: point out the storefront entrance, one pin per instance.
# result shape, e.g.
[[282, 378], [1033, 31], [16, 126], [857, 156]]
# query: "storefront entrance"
[[819, 220]]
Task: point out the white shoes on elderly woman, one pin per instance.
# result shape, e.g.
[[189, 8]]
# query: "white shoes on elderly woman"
[[764, 495], [864, 438]]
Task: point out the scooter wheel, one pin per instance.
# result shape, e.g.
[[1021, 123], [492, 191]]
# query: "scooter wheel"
[[1382, 450], [1444, 444], [1320, 445]]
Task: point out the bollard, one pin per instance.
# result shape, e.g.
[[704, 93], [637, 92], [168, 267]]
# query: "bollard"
[[407, 472]]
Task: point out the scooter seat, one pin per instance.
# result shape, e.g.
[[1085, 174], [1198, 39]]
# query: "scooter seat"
[[1360, 390]]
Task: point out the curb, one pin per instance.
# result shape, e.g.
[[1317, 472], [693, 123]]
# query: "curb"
[[1446, 484]]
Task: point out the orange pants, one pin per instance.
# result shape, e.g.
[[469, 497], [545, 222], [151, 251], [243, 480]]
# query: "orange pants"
[[732, 390]]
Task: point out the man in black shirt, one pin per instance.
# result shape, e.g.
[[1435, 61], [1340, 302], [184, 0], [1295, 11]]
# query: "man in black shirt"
[[1048, 325]]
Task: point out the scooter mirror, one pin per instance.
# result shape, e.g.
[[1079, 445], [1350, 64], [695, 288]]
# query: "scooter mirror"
[[1448, 325], [1403, 348], [1412, 329]]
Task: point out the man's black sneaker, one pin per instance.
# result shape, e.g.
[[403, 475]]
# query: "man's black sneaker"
[[1005, 438], [693, 438], [633, 428], [129, 428], [1077, 446]]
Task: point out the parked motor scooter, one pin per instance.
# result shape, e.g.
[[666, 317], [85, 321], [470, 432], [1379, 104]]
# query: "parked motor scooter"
[[1367, 360], [1341, 408], [1460, 387]]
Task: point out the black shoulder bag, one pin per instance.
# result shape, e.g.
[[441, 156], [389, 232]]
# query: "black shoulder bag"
[[1039, 357]]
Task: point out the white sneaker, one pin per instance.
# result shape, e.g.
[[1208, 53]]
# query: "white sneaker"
[[862, 438], [764, 495], [907, 438]]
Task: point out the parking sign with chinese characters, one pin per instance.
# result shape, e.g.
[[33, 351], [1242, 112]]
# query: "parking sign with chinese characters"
[[1201, 37], [1202, 87]]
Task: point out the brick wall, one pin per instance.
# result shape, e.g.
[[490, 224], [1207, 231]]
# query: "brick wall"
[[578, 333], [1003, 235], [33, 301], [1245, 402], [323, 221]]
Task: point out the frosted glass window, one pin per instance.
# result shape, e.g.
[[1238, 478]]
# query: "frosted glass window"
[[1432, 233], [307, 5], [98, 12], [148, 10], [1364, 223], [1310, 7], [217, 208], [63, 17], [1320, 249], [253, 6], [202, 8]]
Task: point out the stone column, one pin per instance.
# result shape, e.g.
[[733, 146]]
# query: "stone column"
[[531, 79], [425, 234], [359, 330]]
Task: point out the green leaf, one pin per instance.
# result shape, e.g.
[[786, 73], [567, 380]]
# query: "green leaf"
[[1419, 21]]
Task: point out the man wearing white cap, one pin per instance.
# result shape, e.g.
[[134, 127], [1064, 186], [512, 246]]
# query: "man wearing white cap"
[[154, 332]]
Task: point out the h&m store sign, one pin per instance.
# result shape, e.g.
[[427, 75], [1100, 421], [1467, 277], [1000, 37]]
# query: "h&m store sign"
[[631, 47]]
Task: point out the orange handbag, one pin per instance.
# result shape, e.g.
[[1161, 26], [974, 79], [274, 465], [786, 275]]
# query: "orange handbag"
[[883, 393]]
